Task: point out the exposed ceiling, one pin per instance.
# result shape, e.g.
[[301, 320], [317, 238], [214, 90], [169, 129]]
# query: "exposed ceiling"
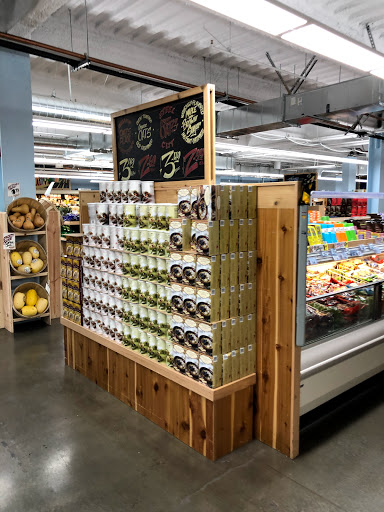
[[177, 39]]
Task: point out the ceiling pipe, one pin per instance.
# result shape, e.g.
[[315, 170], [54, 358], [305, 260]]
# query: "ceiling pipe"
[[75, 59]]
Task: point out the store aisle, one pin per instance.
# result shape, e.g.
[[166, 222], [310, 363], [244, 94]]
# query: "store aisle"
[[66, 445]]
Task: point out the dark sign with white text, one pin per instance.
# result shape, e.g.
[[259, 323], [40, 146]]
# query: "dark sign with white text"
[[162, 143]]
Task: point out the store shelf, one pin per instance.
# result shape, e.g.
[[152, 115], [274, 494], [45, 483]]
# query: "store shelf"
[[163, 370], [19, 319], [58, 191], [29, 276], [32, 233]]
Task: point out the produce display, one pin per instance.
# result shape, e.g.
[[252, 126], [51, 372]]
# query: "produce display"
[[346, 307], [24, 217], [29, 303], [27, 262], [342, 276]]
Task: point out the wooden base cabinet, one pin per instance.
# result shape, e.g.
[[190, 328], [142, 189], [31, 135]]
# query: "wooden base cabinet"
[[212, 422]]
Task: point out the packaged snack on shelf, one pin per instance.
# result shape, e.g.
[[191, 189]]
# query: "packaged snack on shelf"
[[227, 368], [188, 269], [192, 364], [178, 358], [184, 206], [243, 235], [208, 272], [175, 266], [179, 235], [191, 338], [177, 329], [207, 237], [252, 202], [177, 302], [208, 304], [134, 191], [189, 301], [235, 359], [148, 191], [209, 338]]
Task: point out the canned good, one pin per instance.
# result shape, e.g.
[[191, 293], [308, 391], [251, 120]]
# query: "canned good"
[[119, 263], [106, 321], [126, 263], [152, 345], [135, 240], [152, 268], [162, 271], [168, 292], [113, 214], [86, 317], [135, 338], [119, 333], [116, 191], [152, 322], [102, 213], [103, 191], [162, 352], [130, 216], [153, 242], [134, 291], [112, 307], [105, 282], [170, 213], [162, 298], [111, 284], [144, 318], [105, 254], [134, 265], [124, 191], [163, 243], [152, 216], [112, 329], [114, 244], [127, 336], [125, 288], [161, 222], [135, 315], [144, 241], [97, 259], [134, 191], [104, 304], [143, 270], [144, 345], [92, 212], [86, 229], [110, 192], [142, 213], [106, 238], [143, 292], [93, 321], [120, 215], [119, 310], [162, 323], [152, 295], [127, 312], [148, 191], [98, 281]]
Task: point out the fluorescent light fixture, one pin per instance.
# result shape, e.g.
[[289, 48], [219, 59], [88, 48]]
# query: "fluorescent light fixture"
[[361, 181], [321, 41], [230, 172], [253, 151], [87, 116], [73, 127], [330, 179], [75, 177], [258, 14], [84, 163]]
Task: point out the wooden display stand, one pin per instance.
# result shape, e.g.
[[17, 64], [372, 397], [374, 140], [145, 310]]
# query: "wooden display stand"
[[213, 422], [264, 406], [49, 238]]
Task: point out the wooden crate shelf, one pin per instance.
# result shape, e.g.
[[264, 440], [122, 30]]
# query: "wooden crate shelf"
[[49, 238], [212, 421]]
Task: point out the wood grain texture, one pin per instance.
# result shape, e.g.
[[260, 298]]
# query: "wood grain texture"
[[213, 428], [53, 252], [278, 358]]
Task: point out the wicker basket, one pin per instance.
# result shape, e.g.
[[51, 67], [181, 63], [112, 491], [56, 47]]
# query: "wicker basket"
[[41, 292], [23, 246], [32, 203]]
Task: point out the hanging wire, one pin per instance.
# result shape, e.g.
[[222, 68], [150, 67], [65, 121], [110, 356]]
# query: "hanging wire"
[[86, 23]]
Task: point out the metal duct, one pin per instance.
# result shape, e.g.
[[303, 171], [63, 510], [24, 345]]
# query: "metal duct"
[[340, 106]]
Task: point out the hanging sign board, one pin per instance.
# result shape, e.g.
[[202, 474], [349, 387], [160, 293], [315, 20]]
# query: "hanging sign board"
[[166, 140], [13, 189]]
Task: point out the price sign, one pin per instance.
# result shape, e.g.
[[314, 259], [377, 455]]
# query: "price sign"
[[345, 254], [340, 245], [312, 260], [325, 255], [372, 247], [13, 189], [337, 257], [9, 241], [362, 248], [355, 252]]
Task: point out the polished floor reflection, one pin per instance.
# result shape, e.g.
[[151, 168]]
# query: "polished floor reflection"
[[66, 445]]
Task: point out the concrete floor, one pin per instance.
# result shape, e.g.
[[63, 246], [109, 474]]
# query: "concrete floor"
[[67, 446]]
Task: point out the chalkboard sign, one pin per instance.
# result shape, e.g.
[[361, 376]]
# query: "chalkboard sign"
[[162, 143]]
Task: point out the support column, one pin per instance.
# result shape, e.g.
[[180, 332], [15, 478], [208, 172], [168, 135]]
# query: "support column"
[[349, 171], [16, 132], [375, 174]]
